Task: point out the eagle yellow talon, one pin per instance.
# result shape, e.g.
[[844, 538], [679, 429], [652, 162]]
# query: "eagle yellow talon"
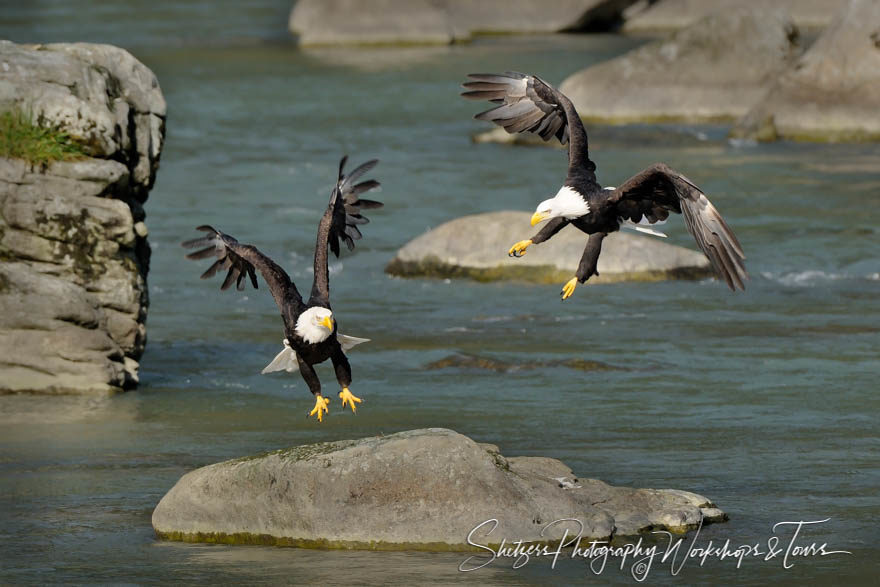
[[320, 407], [568, 288], [519, 249], [349, 397]]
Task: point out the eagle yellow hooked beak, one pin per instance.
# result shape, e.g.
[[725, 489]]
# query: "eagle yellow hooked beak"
[[539, 217], [327, 322]]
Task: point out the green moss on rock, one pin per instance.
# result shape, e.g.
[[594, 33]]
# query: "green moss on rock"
[[432, 266], [247, 538], [22, 138]]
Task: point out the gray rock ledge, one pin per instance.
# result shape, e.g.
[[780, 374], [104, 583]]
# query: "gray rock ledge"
[[416, 490], [476, 246]]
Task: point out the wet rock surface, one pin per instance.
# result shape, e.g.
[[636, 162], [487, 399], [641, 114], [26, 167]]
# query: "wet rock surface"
[[423, 489]]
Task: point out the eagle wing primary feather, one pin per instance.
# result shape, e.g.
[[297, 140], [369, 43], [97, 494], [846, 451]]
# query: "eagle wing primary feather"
[[340, 222], [241, 261], [658, 190], [346, 210], [526, 104]]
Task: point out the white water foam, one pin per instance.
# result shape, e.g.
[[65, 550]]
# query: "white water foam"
[[813, 277]]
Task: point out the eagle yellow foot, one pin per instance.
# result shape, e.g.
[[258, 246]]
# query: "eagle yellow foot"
[[320, 407], [519, 249], [349, 397], [568, 288]]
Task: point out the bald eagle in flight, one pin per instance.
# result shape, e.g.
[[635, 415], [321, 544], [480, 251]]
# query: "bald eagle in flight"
[[528, 104], [310, 330]]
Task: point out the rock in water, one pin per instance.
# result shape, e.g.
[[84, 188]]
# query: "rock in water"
[[408, 22], [416, 490], [73, 247], [476, 247], [832, 93], [713, 70], [670, 15]]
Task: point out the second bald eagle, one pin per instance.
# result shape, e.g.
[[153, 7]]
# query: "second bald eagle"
[[528, 104]]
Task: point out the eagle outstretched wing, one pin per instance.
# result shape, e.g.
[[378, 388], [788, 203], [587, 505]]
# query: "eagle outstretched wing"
[[526, 103], [340, 223], [658, 190], [242, 261]]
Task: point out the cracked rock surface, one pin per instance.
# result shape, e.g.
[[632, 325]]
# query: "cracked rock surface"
[[73, 243], [425, 489]]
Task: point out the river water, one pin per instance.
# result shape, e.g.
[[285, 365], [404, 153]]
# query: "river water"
[[764, 401]]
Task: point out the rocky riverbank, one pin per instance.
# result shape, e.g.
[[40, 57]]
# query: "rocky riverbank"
[[73, 242], [427, 489]]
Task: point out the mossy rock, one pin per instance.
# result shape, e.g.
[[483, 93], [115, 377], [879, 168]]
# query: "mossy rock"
[[475, 247], [415, 490]]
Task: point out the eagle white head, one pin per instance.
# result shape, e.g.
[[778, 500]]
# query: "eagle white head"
[[567, 202], [314, 325]]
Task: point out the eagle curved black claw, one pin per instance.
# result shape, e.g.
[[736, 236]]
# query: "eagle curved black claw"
[[519, 249], [568, 288]]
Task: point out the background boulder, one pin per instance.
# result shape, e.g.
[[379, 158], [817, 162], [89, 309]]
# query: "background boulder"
[[416, 490], [832, 93], [73, 294], [476, 247], [347, 22], [713, 70], [670, 15]]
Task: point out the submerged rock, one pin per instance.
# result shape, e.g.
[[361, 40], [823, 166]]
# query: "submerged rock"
[[73, 248], [416, 490], [670, 15], [713, 70], [476, 247], [388, 22], [499, 366], [833, 91]]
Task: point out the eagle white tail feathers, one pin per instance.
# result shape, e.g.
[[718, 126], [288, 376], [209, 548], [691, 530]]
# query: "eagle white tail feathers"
[[286, 359], [283, 361]]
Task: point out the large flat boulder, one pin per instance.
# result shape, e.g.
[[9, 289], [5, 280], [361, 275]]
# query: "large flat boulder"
[[408, 22], [476, 247], [713, 70], [73, 249], [417, 490], [832, 93], [671, 15]]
